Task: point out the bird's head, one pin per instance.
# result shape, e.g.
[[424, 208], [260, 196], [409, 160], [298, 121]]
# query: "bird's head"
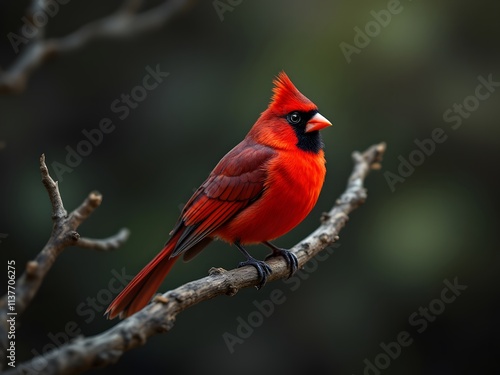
[[290, 120]]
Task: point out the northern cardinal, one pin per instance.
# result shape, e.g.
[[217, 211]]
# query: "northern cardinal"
[[259, 191]]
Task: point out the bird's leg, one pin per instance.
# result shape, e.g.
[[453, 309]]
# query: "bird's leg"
[[263, 270], [290, 258]]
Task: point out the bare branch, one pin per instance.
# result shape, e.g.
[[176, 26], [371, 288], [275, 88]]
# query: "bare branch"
[[106, 348], [58, 211], [36, 6], [88, 206], [107, 244], [64, 234], [123, 23]]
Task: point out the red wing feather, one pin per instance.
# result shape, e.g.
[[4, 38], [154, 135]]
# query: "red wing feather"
[[237, 181]]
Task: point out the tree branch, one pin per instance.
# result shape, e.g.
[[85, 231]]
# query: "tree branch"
[[64, 234], [123, 23], [103, 349], [107, 244]]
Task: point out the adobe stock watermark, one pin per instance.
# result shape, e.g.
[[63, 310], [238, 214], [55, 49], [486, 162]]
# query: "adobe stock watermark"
[[121, 107], [31, 27], [363, 37], [87, 310], [455, 115], [263, 309], [223, 6], [10, 340], [419, 321]]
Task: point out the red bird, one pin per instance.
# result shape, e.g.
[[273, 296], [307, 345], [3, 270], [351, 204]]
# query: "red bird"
[[259, 191]]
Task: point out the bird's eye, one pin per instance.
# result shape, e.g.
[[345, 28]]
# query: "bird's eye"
[[294, 118]]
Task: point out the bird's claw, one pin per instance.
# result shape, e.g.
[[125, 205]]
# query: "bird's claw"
[[263, 270], [290, 259]]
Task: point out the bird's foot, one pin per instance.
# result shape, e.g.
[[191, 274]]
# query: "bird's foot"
[[290, 258], [263, 270]]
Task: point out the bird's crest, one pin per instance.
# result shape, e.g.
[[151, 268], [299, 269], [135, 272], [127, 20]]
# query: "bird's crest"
[[287, 98]]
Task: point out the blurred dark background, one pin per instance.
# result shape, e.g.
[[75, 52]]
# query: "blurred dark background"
[[396, 251]]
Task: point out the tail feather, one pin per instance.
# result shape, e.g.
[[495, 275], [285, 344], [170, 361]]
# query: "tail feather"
[[144, 285]]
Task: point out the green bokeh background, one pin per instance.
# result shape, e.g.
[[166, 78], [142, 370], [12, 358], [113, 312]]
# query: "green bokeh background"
[[396, 250]]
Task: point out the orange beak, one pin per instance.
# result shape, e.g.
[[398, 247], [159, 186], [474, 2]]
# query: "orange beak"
[[317, 122]]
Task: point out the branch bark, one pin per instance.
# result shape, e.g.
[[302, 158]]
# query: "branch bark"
[[106, 348], [124, 22], [64, 234]]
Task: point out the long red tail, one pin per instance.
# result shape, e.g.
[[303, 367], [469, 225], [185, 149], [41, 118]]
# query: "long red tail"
[[139, 291]]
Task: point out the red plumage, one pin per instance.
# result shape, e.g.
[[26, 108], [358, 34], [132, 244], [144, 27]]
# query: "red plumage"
[[259, 191]]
